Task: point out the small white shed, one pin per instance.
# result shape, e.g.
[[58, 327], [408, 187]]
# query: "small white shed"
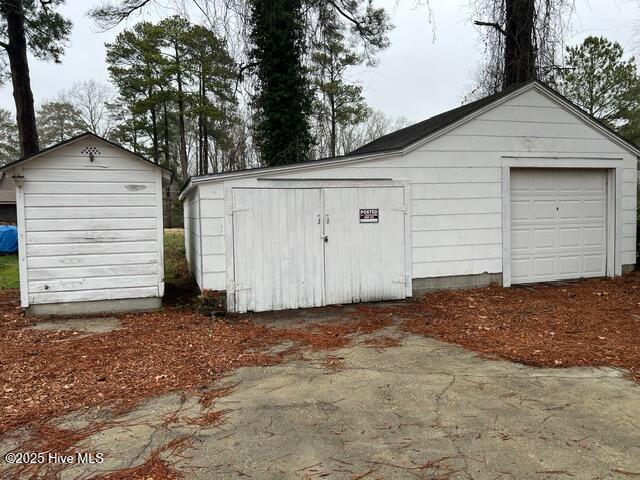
[[90, 228], [518, 187]]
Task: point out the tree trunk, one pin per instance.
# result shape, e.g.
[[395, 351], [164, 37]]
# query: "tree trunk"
[[167, 160], [519, 51], [184, 162], [13, 12], [154, 125]]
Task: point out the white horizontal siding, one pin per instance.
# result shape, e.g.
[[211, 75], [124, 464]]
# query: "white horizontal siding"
[[44, 225], [89, 200], [94, 295], [456, 208], [92, 228], [89, 213], [71, 249]]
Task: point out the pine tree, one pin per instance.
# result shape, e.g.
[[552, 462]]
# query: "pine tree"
[[59, 120], [337, 103], [136, 68], [598, 79], [9, 145]]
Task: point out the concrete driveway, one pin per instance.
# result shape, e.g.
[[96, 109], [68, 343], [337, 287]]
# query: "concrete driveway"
[[424, 409]]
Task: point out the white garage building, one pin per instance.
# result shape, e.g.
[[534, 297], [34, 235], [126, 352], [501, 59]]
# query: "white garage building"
[[518, 187], [90, 228]]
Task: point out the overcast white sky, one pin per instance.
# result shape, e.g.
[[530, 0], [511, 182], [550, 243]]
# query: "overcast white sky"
[[416, 77]]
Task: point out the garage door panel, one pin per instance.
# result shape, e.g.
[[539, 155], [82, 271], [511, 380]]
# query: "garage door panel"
[[569, 209], [559, 227], [520, 240], [544, 238], [594, 236], [519, 184], [594, 264], [568, 266], [543, 210], [520, 269], [543, 266], [520, 210], [545, 182], [569, 237], [595, 209]]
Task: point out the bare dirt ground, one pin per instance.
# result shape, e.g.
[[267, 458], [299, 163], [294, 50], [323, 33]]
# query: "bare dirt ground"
[[107, 380]]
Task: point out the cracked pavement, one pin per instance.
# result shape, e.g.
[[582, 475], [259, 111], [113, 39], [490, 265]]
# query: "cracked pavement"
[[425, 409]]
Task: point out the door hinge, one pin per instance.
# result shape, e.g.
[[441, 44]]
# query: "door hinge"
[[237, 208], [237, 287], [403, 279], [401, 208]]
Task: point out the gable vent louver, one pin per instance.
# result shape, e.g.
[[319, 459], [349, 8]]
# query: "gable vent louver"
[[90, 151]]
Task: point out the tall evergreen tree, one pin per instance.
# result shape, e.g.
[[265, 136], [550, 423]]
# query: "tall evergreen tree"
[[136, 68], [337, 103], [214, 103], [174, 39], [9, 144], [35, 26], [58, 120], [283, 99], [598, 79]]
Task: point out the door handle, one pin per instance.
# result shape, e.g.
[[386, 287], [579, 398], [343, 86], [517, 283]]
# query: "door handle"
[[325, 238]]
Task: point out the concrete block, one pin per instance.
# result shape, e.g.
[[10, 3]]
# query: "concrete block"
[[628, 268], [100, 306]]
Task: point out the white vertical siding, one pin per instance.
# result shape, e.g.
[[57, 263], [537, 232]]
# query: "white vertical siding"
[[93, 230], [192, 235], [213, 239], [456, 209]]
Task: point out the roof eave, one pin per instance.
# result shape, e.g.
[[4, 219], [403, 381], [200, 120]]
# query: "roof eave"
[[167, 173], [268, 171]]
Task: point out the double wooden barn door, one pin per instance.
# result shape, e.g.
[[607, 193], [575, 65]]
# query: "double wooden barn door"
[[309, 247]]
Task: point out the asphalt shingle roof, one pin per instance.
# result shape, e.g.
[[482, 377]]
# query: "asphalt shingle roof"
[[406, 136]]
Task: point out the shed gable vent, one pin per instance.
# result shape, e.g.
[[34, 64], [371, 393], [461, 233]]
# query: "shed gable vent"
[[90, 151]]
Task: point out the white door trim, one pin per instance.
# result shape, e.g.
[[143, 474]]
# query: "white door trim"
[[614, 169]]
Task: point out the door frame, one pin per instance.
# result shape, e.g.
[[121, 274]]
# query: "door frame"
[[613, 168], [312, 183]]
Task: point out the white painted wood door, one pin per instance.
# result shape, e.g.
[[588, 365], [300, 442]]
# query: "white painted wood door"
[[558, 224], [364, 261], [278, 249], [307, 247]]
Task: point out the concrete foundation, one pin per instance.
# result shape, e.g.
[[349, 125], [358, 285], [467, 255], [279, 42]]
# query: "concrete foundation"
[[454, 282], [101, 306]]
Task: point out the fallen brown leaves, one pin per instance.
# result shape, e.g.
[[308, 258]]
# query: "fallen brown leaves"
[[46, 374], [587, 323], [155, 467]]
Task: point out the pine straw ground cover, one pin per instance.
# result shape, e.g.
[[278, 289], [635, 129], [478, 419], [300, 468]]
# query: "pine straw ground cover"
[[587, 323], [47, 374]]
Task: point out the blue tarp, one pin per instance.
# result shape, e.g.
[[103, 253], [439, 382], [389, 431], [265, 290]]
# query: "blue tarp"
[[8, 239]]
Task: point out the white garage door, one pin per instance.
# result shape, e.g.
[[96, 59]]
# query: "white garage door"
[[558, 224], [307, 247]]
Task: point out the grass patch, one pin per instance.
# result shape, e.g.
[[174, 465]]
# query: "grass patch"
[[9, 272], [180, 286]]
